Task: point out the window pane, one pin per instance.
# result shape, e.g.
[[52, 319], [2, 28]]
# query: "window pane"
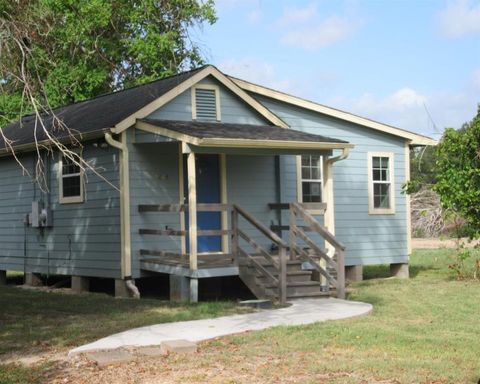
[[305, 173], [315, 160], [381, 195], [305, 161], [312, 192], [376, 175], [71, 186], [376, 162], [315, 174], [69, 167]]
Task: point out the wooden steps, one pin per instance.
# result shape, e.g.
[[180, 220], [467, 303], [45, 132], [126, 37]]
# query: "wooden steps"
[[299, 282]]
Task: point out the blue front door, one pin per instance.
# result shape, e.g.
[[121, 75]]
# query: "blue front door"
[[208, 191]]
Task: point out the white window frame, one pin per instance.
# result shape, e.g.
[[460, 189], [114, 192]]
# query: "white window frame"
[[300, 179], [217, 99], [371, 208], [61, 176]]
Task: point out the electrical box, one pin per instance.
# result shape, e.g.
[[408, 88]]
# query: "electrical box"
[[40, 217]]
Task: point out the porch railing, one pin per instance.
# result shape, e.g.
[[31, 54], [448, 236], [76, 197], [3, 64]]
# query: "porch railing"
[[254, 259], [315, 258], [174, 232]]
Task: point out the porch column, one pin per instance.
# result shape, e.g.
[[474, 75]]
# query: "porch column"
[[329, 216], [192, 217]]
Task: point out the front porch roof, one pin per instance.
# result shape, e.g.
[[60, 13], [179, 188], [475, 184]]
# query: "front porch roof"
[[214, 134]]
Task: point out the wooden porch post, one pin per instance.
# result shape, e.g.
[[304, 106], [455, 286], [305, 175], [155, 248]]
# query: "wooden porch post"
[[329, 216], [192, 231]]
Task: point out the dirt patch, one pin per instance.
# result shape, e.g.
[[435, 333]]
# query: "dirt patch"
[[432, 243]]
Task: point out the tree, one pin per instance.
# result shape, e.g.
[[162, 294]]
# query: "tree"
[[458, 172], [56, 52]]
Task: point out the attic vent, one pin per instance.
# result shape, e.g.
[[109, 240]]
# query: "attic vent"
[[206, 104]]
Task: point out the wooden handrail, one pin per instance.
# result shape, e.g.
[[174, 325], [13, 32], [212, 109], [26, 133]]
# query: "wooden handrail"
[[296, 212], [307, 206], [315, 225], [176, 232], [262, 228], [173, 208]]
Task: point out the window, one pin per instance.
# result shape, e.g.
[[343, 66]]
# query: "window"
[[381, 187], [205, 103], [71, 181], [311, 179]]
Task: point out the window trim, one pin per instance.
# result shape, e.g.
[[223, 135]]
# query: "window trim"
[[300, 179], [371, 209], [216, 88], [69, 199]]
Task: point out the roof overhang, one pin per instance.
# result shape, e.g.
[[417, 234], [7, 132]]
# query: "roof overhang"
[[46, 144], [220, 142], [414, 138]]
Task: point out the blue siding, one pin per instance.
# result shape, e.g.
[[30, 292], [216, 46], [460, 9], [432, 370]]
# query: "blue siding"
[[370, 239], [85, 237], [153, 180], [251, 185], [233, 109]]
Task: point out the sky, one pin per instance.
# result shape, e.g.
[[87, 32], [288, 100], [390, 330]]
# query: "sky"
[[411, 64]]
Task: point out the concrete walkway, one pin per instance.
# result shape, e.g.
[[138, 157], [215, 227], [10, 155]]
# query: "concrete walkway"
[[300, 312]]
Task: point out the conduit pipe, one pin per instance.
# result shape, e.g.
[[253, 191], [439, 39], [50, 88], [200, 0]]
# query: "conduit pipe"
[[126, 262]]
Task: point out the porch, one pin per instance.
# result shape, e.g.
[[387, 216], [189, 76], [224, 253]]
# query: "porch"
[[297, 269], [217, 235]]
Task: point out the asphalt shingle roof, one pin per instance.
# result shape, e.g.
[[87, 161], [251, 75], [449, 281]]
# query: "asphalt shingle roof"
[[94, 114], [217, 130]]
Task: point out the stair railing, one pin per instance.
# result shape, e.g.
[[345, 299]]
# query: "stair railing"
[[280, 266], [296, 252]]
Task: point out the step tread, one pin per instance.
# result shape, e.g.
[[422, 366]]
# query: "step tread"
[[298, 284], [289, 273], [310, 294]]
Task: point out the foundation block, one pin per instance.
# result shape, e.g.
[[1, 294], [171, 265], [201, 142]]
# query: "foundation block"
[[33, 279], [354, 273], [400, 270], [80, 284]]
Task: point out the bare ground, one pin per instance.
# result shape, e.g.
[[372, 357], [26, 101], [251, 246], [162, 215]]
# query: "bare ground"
[[432, 243]]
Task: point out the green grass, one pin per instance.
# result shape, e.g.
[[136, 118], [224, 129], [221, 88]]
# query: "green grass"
[[422, 330], [32, 321]]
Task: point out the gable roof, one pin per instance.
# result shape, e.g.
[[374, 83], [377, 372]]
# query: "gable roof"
[[214, 134], [119, 110], [414, 138]]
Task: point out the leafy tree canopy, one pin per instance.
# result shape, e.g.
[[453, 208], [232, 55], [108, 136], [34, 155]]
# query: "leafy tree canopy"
[[458, 172], [55, 52]]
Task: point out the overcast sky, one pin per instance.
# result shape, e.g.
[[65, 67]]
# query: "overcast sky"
[[392, 61]]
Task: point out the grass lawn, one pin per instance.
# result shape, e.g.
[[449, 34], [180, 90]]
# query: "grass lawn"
[[422, 330], [33, 322]]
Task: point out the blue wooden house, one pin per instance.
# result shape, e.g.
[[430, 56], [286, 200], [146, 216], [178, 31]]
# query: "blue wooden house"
[[201, 175]]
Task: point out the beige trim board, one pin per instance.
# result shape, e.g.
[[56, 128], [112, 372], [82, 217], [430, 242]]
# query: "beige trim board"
[[224, 199], [407, 199], [182, 87], [239, 143], [416, 139]]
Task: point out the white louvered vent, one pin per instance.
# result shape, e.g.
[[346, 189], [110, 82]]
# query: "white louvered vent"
[[206, 104]]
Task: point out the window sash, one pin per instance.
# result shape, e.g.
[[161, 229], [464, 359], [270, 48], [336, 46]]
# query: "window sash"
[[311, 178], [381, 188], [71, 181]]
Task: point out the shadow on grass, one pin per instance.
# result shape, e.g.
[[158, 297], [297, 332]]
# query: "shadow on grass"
[[382, 271]]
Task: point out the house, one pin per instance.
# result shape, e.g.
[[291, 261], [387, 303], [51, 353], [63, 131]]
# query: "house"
[[201, 175]]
